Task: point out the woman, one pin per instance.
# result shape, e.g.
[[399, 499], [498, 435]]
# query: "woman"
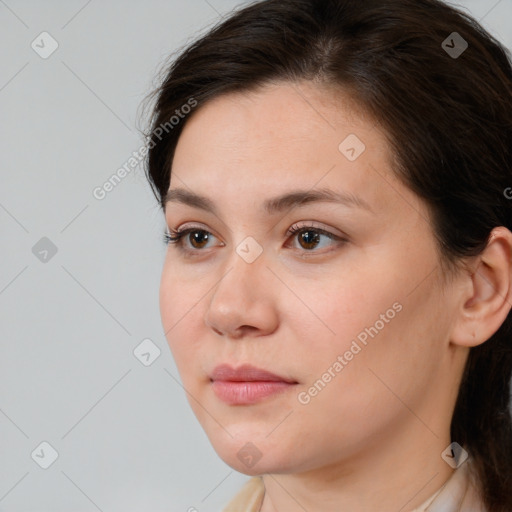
[[335, 177]]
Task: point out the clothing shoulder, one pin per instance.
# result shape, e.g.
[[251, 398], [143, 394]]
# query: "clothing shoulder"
[[249, 498], [460, 493]]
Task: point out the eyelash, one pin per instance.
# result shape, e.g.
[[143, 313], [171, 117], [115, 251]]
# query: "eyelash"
[[175, 237]]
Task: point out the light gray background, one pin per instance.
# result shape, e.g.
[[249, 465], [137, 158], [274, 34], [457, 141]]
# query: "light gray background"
[[125, 435]]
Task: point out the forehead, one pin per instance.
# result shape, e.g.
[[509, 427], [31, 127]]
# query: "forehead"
[[276, 124], [278, 113], [281, 137]]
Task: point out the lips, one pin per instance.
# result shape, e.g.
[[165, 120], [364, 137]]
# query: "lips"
[[246, 373], [247, 384]]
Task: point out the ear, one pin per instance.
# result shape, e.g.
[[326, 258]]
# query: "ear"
[[487, 294]]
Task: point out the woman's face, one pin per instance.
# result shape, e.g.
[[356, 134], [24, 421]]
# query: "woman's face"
[[307, 259]]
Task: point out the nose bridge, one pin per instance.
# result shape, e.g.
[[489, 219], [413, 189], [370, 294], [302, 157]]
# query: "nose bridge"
[[244, 269], [240, 298]]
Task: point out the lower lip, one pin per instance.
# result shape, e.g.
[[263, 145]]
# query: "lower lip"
[[243, 393]]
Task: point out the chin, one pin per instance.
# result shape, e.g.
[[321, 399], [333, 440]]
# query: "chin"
[[253, 453], [257, 466]]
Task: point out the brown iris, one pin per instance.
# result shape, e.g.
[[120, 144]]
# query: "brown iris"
[[198, 239], [309, 239]]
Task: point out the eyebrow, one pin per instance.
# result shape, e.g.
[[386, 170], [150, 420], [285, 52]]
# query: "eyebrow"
[[274, 205]]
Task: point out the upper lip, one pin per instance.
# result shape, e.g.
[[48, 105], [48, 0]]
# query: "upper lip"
[[246, 373]]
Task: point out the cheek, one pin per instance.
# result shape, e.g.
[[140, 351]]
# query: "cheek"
[[350, 393], [180, 305], [353, 307], [168, 300], [180, 292], [367, 326]]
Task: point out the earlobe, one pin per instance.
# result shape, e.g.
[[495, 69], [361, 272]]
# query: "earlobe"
[[487, 299]]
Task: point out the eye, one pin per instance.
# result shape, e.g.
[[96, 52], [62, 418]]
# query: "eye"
[[311, 237], [189, 239]]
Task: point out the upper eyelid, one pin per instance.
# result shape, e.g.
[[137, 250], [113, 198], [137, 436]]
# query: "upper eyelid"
[[315, 225], [292, 231], [296, 225], [192, 227]]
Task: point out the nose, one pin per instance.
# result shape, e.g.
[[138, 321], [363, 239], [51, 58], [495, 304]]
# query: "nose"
[[243, 303]]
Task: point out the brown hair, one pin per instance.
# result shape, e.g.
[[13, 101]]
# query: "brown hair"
[[448, 118]]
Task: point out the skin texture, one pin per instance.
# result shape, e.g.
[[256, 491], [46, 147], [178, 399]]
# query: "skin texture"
[[372, 438]]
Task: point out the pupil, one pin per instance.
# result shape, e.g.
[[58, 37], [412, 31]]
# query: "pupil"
[[310, 238]]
